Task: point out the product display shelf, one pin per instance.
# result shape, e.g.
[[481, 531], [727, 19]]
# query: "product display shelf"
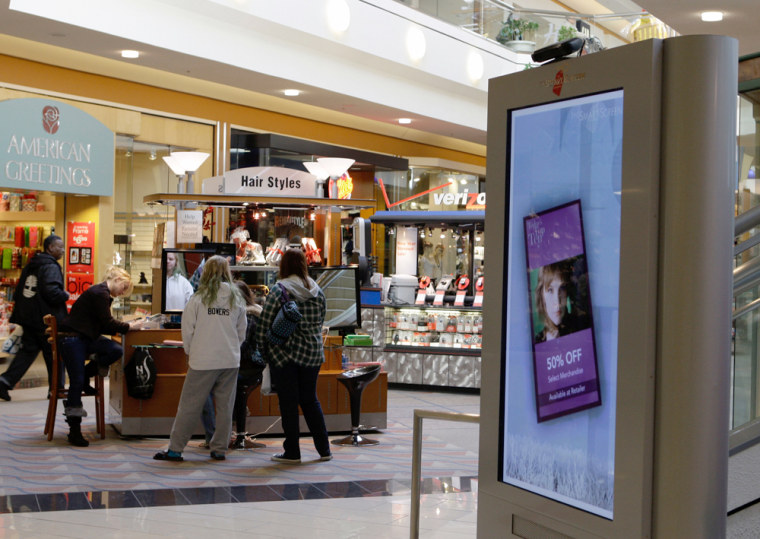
[[27, 217], [445, 328]]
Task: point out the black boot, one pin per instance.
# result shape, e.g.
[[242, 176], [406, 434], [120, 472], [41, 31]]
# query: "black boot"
[[91, 369], [75, 432]]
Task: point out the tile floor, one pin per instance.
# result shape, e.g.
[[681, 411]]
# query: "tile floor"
[[363, 507]]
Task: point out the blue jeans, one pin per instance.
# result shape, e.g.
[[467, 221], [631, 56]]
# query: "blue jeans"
[[75, 351], [297, 386]]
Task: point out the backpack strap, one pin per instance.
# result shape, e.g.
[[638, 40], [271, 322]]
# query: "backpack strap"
[[284, 296]]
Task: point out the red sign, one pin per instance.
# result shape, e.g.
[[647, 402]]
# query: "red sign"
[[76, 283], [80, 247]]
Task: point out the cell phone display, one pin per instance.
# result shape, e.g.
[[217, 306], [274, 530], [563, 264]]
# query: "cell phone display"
[[564, 357]]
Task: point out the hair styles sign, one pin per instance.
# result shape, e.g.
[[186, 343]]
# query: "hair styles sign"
[[270, 182], [52, 146]]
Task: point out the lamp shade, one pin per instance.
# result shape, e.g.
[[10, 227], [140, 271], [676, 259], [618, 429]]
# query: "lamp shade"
[[335, 166], [317, 170], [189, 161], [174, 165]]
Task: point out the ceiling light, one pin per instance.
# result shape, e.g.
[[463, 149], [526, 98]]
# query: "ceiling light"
[[292, 92], [130, 54], [338, 16], [415, 44], [475, 67], [315, 169], [404, 121], [712, 16], [335, 166]]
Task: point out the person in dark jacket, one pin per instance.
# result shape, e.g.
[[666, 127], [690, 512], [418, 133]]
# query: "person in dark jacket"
[[295, 364], [89, 319], [39, 292]]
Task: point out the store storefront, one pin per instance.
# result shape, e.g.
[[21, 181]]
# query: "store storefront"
[[143, 124]]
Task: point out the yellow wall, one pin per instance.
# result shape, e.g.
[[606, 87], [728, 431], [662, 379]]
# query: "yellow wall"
[[90, 86], [82, 88]]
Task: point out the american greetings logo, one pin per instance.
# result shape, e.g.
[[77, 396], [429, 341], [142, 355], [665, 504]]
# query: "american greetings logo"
[[560, 79], [51, 119]]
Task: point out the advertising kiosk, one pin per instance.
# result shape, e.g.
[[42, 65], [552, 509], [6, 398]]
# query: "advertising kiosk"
[[606, 349]]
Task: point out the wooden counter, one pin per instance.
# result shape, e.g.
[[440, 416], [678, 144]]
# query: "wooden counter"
[[154, 416]]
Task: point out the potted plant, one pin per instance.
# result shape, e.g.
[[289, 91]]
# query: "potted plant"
[[566, 32], [515, 34]]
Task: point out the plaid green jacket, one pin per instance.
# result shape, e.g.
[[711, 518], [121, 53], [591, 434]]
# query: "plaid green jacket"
[[304, 347]]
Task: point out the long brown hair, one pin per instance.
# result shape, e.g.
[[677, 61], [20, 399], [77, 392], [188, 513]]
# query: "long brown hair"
[[294, 263]]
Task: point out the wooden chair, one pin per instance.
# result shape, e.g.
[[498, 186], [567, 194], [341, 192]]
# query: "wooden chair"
[[58, 393]]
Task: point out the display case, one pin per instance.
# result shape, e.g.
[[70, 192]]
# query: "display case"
[[445, 329]]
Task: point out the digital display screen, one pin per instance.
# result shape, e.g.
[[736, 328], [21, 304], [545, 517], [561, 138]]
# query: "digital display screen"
[[564, 356], [562, 254]]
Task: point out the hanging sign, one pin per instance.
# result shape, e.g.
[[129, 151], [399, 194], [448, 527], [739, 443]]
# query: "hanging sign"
[[189, 226], [48, 145], [80, 247], [406, 250], [270, 182]]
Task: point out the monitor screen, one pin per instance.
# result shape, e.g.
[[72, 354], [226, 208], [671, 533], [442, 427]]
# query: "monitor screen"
[[340, 285], [561, 300], [177, 269]]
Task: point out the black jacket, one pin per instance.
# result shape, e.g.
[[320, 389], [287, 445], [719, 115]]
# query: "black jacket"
[[40, 291], [91, 314]]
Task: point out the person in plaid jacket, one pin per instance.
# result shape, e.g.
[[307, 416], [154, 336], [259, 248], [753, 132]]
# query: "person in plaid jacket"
[[295, 364]]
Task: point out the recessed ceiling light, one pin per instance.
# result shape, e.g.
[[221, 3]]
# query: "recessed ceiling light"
[[712, 16], [292, 93], [130, 54], [404, 120]]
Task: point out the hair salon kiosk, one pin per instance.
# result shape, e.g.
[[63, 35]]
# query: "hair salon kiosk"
[[155, 416]]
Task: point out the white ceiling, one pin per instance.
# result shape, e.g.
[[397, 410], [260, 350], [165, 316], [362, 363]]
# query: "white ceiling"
[[741, 19], [320, 102]]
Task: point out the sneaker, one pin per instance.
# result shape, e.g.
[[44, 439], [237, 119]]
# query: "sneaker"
[[325, 458], [218, 456], [204, 445], [104, 371], [280, 457], [168, 455], [4, 391], [89, 391]]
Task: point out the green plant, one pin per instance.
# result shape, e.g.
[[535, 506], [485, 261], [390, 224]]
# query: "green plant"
[[566, 32], [515, 29]]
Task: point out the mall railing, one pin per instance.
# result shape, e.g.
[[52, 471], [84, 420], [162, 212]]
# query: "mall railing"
[[419, 415], [487, 18], [745, 342]]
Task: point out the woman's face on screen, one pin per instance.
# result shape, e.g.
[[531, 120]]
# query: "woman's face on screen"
[[555, 299], [171, 262]]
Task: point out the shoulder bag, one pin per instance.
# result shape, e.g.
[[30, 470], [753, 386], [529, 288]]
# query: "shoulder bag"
[[284, 324]]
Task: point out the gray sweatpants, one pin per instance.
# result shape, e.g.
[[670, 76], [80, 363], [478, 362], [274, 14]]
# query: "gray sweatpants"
[[198, 384]]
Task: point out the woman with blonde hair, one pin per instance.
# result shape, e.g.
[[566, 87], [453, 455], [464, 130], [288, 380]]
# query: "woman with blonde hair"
[[89, 319], [213, 328]]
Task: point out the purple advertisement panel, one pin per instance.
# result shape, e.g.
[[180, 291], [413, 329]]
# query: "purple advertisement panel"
[[565, 369]]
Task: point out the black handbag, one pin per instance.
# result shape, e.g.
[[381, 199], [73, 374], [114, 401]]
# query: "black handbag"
[[286, 321], [140, 374]]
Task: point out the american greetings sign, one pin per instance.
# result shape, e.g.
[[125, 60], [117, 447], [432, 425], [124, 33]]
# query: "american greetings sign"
[[51, 146]]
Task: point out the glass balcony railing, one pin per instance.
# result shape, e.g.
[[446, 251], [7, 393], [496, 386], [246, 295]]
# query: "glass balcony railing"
[[507, 23], [745, 405]]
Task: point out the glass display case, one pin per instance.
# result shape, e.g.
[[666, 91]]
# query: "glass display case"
[[444, 329]]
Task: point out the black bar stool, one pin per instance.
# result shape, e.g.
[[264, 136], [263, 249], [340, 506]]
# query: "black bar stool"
[[355, 381]]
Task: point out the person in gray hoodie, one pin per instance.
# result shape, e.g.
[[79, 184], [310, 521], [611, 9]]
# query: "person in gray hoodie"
[[213, 328], [294, 365]]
